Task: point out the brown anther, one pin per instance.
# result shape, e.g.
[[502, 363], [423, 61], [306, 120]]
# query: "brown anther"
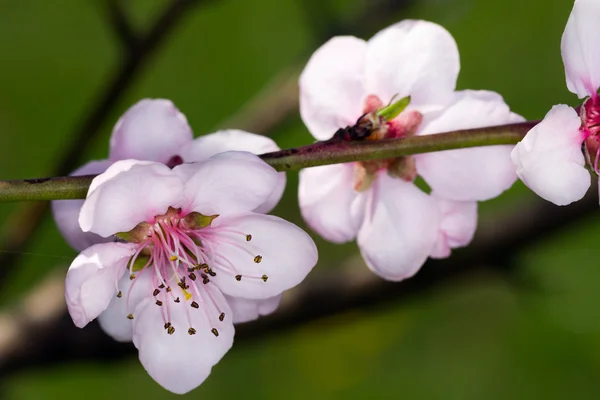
[[167, 325], [192, 276], [222, 316], [132, 276], [120, 294], [177, 300], [159, 303], [203, 266], [161, 286], [168, 289], [205, 280], [238, 278], [211, 272], [194, 305], [191, 331], [264, 278], [258, 259], [130, 316], [171, 330], [215, 331], [248, 237], [156, 292]]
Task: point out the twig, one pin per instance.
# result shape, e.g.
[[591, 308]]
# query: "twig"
[[498, 240], [117, 17]]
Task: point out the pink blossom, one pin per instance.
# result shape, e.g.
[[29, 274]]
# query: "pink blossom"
[[155, 130], [194, 248], [396, 224], [549, 159]]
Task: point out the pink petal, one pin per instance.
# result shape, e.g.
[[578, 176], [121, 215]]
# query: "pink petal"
[[329, 203], [400, 229], [580, 50], [478, 173], [549, 159], [245, 310], [285, 254], [416, 58], [332, 86], [91, 280], [229, 182], [180, 362], [66, 212], [458, 221], [114, 319], [129, 192], [152, 129], [207, 146]]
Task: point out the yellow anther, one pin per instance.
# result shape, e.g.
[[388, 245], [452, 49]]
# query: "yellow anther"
[[130, 316], [173, 258]]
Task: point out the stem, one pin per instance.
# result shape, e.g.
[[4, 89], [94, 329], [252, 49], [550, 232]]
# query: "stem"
[[320, 153]]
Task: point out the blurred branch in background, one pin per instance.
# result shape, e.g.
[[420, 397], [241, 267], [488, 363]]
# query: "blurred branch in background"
[[498, 240], [26, 220]]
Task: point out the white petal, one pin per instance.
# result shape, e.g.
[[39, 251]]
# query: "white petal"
[[329, 203], [332, 86], [152, 129], [114, 319], [129, 192], [245, 310], [180, 362], [416, 58], [207, 146], [549, 159], [229, 182], [66, 212], [478, 173], [400, 228], [91, 281], [286, 254], [580, 50], [458, 221]]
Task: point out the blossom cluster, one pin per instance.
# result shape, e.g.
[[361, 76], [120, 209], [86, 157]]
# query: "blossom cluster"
[[175, 242]]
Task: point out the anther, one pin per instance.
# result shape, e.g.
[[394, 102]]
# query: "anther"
[[215, 331], [161, 286], [168, 289], [264, 278], [222, 316], [258, 259], [171, 330], [159, 303], [167, 325], [248, 237], [177, 300], [192, 276], [120, 294], [191, 331], [130, 316], [132, 276], [194, 305], [173, 258], [238, 278], [211, 272], [203, 266], [156, 292], [205, 280]]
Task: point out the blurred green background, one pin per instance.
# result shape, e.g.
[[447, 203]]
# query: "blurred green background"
[[478, 337]]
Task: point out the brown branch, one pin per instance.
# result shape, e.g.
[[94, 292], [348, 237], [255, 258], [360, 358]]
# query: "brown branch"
[[117, 17], [498, 240]]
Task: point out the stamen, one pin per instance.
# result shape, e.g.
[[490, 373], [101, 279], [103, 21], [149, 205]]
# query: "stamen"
[[130, 316], [171, 330], [132, 277], [156, 292], [248, 237], [192, 331], [238, 278], [167, 325], [258, 259], [194, 305], [264, 278], [120, 294], [192, 276], [177, 300], [222, 317], [173, 258], [159, 303], [215, 331]]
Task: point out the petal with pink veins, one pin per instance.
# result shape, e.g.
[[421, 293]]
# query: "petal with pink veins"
[[332, 86], [129, 192], [245, 310], [329, 203], [580, 50], [66, 212], [207, 146], [413, 58], [275, 257], [549, 159], [458, 222], [152, 129], [473, 174], [400, 228], [179, 361], [230, 182], [91, 281]]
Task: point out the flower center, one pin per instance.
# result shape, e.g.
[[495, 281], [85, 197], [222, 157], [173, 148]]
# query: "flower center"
[[590, 126], [404, 125], [176, 252]]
